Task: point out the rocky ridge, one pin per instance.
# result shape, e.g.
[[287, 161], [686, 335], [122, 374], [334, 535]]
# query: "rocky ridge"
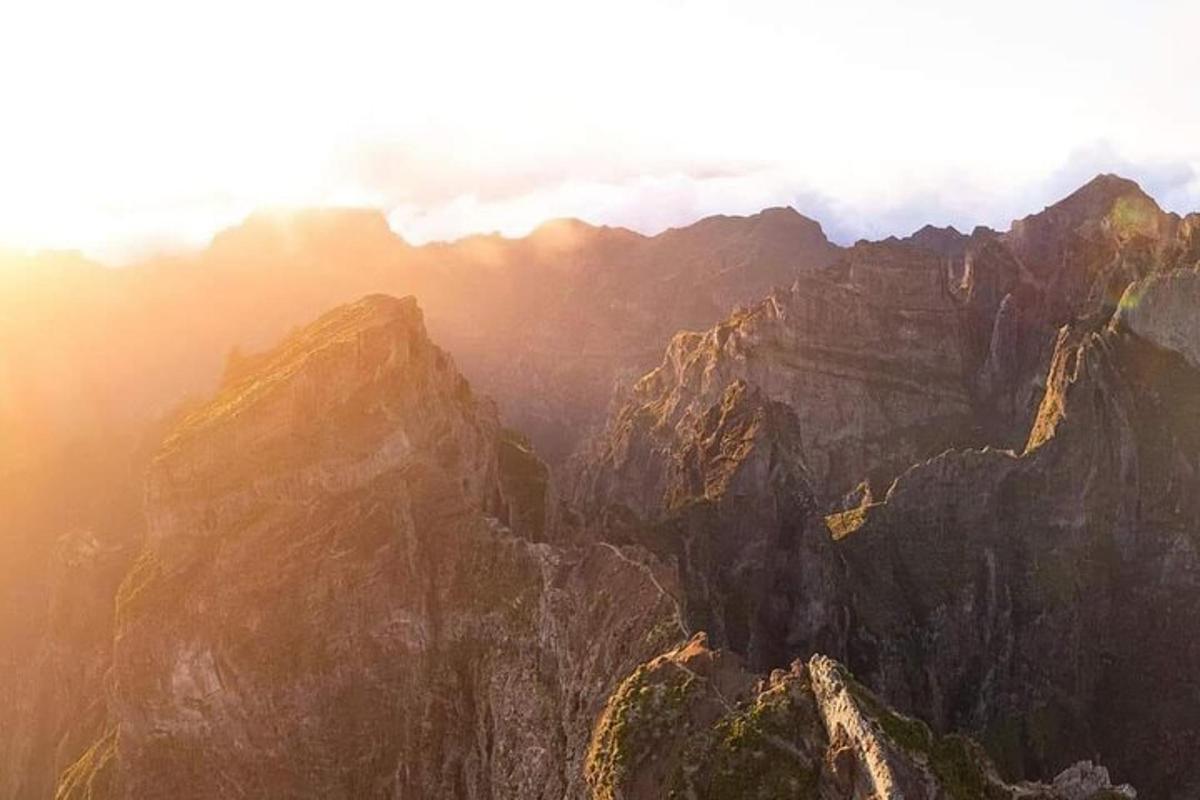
[[694, 723]]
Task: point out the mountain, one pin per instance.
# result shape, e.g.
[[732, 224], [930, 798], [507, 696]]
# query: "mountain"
[[818, 469], [1044, 599], [861, 505], [1072, 260], [142, 338], [866, 353], [330, 604], [98, 364]]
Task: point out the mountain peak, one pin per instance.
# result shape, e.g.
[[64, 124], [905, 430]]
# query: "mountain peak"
[[780, 212], [378, 329], [785, 215], [947, 241], [1096, 198], [1107, 187], [1108, 209]]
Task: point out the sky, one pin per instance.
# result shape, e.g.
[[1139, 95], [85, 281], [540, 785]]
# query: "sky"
[[135, 126]]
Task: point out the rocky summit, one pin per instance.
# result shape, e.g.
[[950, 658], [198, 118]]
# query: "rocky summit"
[[752, 515]]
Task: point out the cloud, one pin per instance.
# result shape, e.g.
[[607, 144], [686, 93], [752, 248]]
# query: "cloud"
[[670, 196]]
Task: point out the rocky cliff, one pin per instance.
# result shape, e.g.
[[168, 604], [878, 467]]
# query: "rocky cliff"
[[349, 578], [988, 590], [727, 456], [1045, 600], [94, 362], [867, 354], [341, 595], [1070, 261], [329, 605]]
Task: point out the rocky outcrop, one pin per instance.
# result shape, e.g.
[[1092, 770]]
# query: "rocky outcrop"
[[52, 684], [69, 529], [329, 604], [553, 324], [1084, 250], [693, 723], [737, 503], [1163, 310]]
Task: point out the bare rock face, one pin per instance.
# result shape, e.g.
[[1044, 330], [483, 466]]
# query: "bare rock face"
[[867, 354], [552, 325], [737, 502], [1084, 250], [1163, 310], [329, 605], [1004, 592], [1042, 600], [1071, 261], [356, 583], [728, 452], [692, 723], [69, 528], [53, 687]]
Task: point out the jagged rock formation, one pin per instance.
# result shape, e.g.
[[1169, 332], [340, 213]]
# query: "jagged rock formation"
[[68, 532], [726, 453], [693, 723], [355, 582], [328, 604], [533, 321], [1044, 600], [52, 679], [1068, 262], [83, 405], [990, 592], [867, 354], [738, 504], [564, 316], [1162, 310]]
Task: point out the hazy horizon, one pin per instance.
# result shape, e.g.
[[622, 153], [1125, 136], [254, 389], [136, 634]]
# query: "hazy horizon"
[[1053, 190], [150, 130]]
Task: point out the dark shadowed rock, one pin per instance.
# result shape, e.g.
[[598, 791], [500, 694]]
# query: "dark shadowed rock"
[[1043, 600]]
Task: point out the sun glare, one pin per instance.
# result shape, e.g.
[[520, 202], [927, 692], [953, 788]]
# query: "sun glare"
[[462, 117]]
